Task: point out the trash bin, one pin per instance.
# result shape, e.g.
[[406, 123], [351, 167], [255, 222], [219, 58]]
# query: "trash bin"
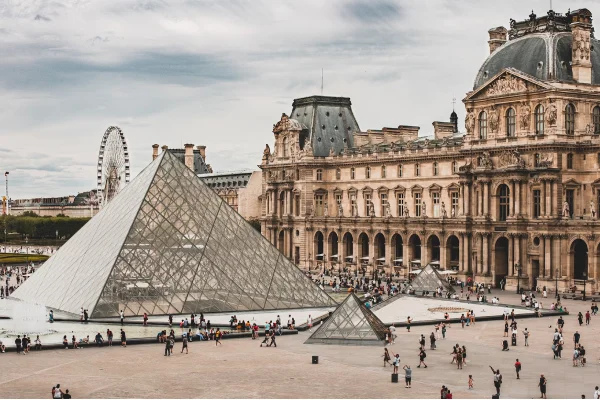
[[315, 359]]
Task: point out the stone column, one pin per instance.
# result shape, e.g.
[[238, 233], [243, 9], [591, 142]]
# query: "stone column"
[[486, 261], [548, 255], [405, 260], [544, 194], [486, 199], [467, 199], [461, 252], [543, 257], [555, 202], [443, 255], [513, 198], [517, 253], [548, 198], [424, 252], [511, 255], [479, 254], [518, 198]]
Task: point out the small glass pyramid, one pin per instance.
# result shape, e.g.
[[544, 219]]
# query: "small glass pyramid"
[[428, 280], [167, 244], [352, 323]]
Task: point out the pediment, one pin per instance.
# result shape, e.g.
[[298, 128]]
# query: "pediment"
[[508, 81], [399, 188], [435, 187], [571, 182], [416, 188]]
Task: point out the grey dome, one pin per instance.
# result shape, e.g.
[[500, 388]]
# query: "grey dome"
[[546, 56]]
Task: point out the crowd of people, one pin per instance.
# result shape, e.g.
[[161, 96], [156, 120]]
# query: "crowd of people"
[[13, 276]]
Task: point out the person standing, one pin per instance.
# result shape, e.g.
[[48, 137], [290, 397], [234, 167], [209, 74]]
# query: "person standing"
[[526, 334], [123, 339], [109, 337], [168, 346], [587, 317], [580, 318], [408, 376], [122, 315], [542, 385], [145, 319], [396, 363], [408, 321], [597, 393], [432, 341], [497, 380], [184, 345], [309, 322], [518, 368], [170, 320], [576, 337]]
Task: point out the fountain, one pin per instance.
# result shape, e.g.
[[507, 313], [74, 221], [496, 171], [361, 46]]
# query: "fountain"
[[27, 318]]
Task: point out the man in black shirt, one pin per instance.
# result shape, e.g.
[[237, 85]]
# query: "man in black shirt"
[[18, 344], [542, 386], [576, 337]]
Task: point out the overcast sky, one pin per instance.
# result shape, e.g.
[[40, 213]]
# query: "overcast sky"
[[220, 73]]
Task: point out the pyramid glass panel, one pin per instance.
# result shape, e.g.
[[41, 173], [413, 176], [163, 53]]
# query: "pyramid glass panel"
[[168, 244], [351, 323], [428, 280]]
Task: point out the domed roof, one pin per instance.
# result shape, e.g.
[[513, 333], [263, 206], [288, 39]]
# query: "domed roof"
[[540, 47]]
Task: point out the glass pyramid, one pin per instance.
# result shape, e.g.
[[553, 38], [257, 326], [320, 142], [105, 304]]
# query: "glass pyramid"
[[428, 280], [351, 323], [167, 244]]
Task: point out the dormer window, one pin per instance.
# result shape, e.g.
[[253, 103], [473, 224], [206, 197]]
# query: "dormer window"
[[539, 120], [319, 174]]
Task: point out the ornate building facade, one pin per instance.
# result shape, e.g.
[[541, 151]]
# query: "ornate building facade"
[[514, 196]]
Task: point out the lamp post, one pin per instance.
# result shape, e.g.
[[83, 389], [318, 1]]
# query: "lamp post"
[[518, 268], [556, 278], [57, 238], [27, 249], [584, 284]]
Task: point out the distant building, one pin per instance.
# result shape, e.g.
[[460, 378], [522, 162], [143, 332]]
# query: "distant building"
[[240, 189], [83, 205]]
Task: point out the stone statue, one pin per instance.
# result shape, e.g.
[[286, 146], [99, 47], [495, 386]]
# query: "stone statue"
[[282, 124], [388, 211], [325, 210], [589, 129], [354, 210], [371, 209], [470, 122], [308, 148], [340, 210], [485, 161], [524, 116], [444, 213], [266, 151], [423, 210], [494, 120], [551, 115], [452, 213], [566, 212], [592, 209], [406, 213]]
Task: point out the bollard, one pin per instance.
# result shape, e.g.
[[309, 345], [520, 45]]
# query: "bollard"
[[315, 359], [394, 378]]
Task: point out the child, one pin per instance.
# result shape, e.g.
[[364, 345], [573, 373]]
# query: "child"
[[470, 382]]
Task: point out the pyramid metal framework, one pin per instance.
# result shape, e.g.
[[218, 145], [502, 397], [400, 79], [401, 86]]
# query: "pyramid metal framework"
[[352, 323], [428, 280], [167, 244]]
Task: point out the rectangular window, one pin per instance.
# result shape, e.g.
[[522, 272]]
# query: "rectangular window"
[[435, 199], [454, 204], [571, 200], [570, 161], [417, 197], [297, 205], [400, 170], [537, 203], [368, 204], [382, 203], [353, 205], [319, 205], [417, 170], [400, 197], [338, 198]]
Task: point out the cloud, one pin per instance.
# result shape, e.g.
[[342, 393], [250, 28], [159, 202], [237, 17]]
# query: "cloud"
[[220, 73]]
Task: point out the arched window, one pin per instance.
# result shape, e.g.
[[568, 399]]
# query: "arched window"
[[352, 173], [435, 169], [383, 171], [570, 161], [368, 172], [539, 120], [454, 167], [338, 174], [400, 171], [483, 125], [285, 147], [570, 119], [511, 125], [596, 120], [417, 170], [504, 202], [319, 174]]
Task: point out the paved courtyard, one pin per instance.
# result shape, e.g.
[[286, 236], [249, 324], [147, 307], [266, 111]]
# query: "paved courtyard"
[[240, 368]]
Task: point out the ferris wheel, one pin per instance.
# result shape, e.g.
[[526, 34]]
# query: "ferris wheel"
[[113, 165]]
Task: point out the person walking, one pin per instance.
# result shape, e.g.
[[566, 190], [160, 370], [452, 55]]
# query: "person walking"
[[309, 322], [587, 317], [576, 337], [526, 335], [518, 368], [497, 380], [597, 393], [123, 339], [542, 386], [408, 321], [432, 341], [506, 329], [218, 335], [408, 376], [580, 318], [422, 356], [168, 346]]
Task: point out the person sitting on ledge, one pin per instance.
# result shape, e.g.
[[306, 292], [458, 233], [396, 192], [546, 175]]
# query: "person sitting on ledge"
[[99, 340], [38, 343], [505, 345], [2, 347]]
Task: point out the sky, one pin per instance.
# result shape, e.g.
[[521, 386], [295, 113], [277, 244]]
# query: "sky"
[[220, 73]]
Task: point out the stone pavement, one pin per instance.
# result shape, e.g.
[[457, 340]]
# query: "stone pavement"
[[240, 368]]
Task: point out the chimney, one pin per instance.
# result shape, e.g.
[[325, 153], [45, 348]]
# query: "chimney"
[[154, 151], [189, 156], [202, 150], [581, 29], [442, 129], [497, 38], [165, 148]]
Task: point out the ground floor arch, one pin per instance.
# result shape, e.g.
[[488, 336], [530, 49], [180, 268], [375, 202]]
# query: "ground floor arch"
[[433, 245], [579, 259], [500, 260], [319, 246], [452, 252], [281, 242], [363, 248], [414, 248]]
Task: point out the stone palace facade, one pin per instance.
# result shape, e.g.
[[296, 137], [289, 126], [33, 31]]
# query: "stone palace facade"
[[514, 196]]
